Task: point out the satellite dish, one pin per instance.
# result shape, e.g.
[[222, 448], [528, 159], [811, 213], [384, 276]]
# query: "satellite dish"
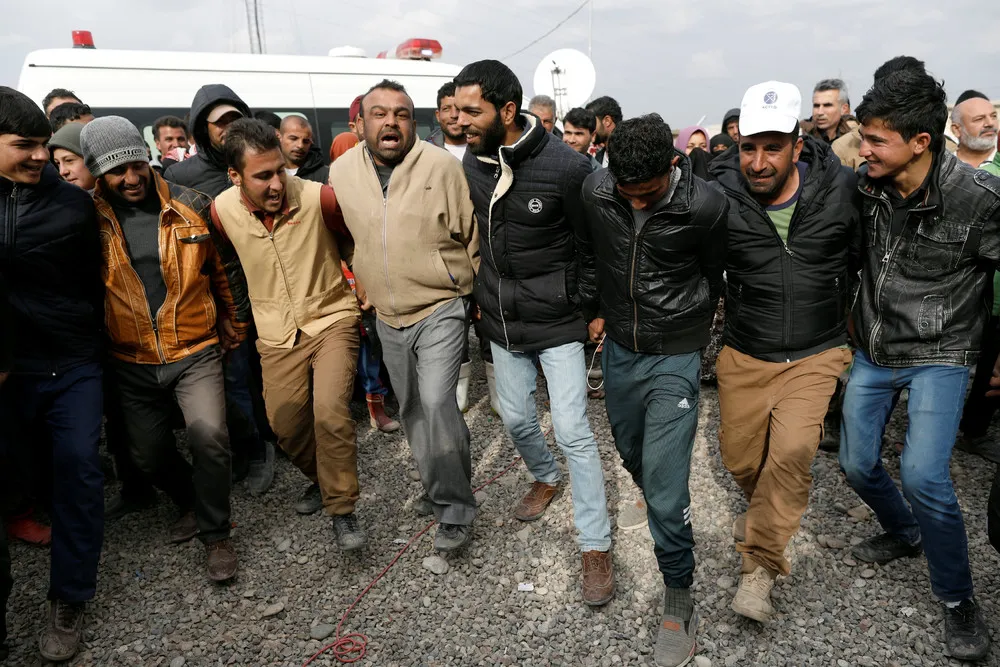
[[568, 77]]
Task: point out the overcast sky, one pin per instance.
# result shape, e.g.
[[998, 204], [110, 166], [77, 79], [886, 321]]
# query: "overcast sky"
[[681, 58]]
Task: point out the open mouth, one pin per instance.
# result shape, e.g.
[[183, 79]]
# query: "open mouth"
[[390, 139]]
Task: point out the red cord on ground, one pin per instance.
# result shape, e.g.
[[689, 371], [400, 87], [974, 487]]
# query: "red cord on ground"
[[352, 647]]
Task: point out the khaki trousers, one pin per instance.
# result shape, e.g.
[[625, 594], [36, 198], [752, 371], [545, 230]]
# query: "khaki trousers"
[[771, 424], [307, 394]]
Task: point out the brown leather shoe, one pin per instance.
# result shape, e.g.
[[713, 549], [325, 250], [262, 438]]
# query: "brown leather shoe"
[[377, 416], [535, 502], [184, 529], [221, 560], [598, 578]]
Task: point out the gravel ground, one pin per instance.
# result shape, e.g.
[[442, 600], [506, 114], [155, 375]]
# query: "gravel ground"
[[155, 606]]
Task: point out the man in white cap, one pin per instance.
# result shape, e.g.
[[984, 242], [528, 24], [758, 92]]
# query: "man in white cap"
[[793, 229]]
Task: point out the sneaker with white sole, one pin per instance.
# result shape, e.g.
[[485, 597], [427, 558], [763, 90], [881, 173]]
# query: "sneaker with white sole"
[[753, 598], [633, 515], [675, 638]]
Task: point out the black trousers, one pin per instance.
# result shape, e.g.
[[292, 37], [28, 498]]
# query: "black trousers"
[[993, 512], [979, 408]]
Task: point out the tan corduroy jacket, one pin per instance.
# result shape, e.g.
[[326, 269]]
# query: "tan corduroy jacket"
[[417, 247], [293, 272]]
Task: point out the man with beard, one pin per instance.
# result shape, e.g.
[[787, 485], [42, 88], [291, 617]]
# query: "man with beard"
[[525, 185], [417, 250], [786, 332], [214, 108], [302, 157], [50, 259], [974, 123], [932, 243], [290, 240], [609, 114], [164, 283], [652, 255]]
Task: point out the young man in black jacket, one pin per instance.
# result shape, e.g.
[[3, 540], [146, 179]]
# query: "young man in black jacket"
[[525, 185], [931, 244], [50, 259], [651, 256], [793, 227]]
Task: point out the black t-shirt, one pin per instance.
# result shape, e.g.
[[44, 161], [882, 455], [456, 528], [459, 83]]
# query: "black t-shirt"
[[901, 206], [384, 173], [141, 226]]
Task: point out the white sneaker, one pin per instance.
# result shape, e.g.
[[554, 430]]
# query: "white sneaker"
[[462, 393], [753, 599]]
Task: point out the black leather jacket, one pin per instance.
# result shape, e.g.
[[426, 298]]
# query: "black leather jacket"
[[787, 301], [656, 289], [925, 294]]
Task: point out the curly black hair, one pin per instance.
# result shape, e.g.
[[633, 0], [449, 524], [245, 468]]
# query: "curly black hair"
[[909, 101], [640, 149]]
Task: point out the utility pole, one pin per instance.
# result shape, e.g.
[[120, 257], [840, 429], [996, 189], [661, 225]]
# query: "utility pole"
[[590, 38]]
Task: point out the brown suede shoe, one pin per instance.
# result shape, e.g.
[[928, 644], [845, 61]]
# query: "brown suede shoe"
[[535, 502], [184, 529], [598, 578], [221, 560]]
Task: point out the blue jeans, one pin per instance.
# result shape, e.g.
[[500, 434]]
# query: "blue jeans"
[[369, 369], [244, 437], [566, 374], [937, 394], [70, 405]]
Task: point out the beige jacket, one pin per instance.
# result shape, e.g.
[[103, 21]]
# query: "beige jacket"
[[293, 273], [417, 247]]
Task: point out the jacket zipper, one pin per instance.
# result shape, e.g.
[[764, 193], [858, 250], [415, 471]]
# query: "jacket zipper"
[[11, 220], [489, 232], [879, 284], [385, 239], [163, 277]]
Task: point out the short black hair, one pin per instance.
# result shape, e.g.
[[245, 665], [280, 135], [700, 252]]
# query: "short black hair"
[[67, 112], [909, 102], [269, 117], [20, 116], [385, 84], [58, 92], [606, 106], [447, 90], [497, 83], [640, 149], [583, 118], [167, 121], [248, 134], [898, 64]]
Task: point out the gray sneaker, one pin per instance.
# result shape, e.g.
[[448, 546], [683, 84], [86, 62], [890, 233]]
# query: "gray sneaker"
[[311, 501], [451, 537], [350, 537], [632, 515], [675, 638], [61, 638], [261, 474]]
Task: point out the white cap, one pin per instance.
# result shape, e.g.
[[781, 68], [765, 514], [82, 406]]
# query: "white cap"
[[772, 106], [221, 110]]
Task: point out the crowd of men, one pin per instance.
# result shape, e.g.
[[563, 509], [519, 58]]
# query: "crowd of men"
[[240, 285]]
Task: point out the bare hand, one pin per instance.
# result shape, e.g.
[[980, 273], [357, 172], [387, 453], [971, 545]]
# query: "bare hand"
[[227, 335], [995, 380], [596, 329], [362, 295], [476, 313], [3, 376]]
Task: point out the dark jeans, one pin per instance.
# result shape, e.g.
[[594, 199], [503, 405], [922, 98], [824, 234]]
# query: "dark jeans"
[[147, 396], [993, 512], [652, 404], [135, 486], [370, 368], [240, 418], [70, 405], [979, 408], [933, 516]]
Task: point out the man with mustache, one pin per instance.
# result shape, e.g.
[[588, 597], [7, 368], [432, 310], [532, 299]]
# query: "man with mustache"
[[302, 157], [792, 250], [170, 315], [974, 122], [290, 239], [407, 205], [526, 187]]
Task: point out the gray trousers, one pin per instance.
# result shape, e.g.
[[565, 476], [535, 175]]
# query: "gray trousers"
[[146, 393], [423, 362]]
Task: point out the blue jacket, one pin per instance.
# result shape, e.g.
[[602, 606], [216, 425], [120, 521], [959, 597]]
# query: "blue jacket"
[[50, 259]]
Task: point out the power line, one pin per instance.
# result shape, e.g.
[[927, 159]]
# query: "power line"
[[554, 28]]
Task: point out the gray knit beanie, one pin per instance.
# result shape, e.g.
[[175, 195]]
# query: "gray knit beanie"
[[111, 141], [68, 138]]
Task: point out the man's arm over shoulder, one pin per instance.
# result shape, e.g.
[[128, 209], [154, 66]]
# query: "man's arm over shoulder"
[[333, 218], [590, 299], [236, 280], [713, 250]]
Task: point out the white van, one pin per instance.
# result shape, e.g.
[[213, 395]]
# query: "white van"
[[144, 85]]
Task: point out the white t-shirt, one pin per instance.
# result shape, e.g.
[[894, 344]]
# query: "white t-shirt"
[[457, 151], [291, 171]]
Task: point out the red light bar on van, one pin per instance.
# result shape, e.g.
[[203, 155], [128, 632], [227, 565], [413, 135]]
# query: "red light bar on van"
[[82, 39], [419, 49]]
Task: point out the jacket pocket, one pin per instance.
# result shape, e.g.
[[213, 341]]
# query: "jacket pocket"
[[930, 318], [937, 247], [446, 278]]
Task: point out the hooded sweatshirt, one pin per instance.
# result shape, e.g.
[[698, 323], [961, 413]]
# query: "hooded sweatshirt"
[[206, 171], [314, 168]]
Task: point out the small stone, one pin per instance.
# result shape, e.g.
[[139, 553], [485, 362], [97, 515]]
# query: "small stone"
[[273, 609], [321, 631], [414, 475], [427, 602], [177, 662], [850, 562], [249, 594], [835, 543], [860, 513], [725, 582], [285, 544], [821, 540], [436, 564], [498, 522], [302, 560], [523, 534], [731, 660], [187, 647], [481, 497], [541, 590], [867, 573], [702, 661]]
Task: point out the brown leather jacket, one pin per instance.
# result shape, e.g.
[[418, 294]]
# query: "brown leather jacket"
[[197, 288]]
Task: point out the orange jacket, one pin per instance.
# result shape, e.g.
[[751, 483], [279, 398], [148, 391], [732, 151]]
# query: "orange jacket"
[[197, 288]]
